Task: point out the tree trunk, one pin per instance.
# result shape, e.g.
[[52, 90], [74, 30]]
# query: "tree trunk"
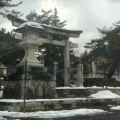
[[113, 68]]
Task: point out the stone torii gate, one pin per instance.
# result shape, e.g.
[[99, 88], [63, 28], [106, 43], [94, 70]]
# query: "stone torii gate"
[[49, 30], [33, 35]]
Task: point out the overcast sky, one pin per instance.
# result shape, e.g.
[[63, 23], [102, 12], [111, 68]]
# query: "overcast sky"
[[84, 15]]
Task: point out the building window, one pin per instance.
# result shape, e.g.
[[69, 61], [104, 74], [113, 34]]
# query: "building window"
[[99, 68]]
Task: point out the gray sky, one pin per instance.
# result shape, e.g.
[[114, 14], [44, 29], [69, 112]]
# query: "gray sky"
[[84, 15]]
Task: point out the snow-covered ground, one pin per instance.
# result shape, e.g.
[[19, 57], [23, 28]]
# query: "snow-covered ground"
[[52, 114], [93, 87], [55, 114], [61, 113], [115, 108], [105, 94]]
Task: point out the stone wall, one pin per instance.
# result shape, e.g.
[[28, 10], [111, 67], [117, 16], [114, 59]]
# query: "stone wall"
[[80, 93], [56, 104], [31, 89]]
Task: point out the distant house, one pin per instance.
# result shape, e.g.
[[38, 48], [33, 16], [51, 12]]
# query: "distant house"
[[93, 69], [97, 69], [3, 72], [3, 69]]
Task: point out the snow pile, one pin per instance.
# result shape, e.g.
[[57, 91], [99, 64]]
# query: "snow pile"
[[112, 87], [32, 24], [96, 87], [115, 108], [52, 114], [105, 94]]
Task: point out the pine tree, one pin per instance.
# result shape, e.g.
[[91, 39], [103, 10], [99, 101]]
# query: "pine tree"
[[52, 53], [108, 47], [9, 48], [5, 8], [84, 54]]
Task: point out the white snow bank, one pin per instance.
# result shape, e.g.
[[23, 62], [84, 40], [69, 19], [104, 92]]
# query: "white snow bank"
[[115, 108], [32, 24], [105, 94], [71, 87], [38, 100], [93, 87], [52, 114]]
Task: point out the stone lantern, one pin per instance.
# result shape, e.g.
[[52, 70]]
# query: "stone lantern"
[[31, 73], [30, 32], [31, 78]]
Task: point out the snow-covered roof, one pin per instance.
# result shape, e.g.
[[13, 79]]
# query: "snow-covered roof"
[[31, 24], [61, 29], [49, 29], [2, 66]]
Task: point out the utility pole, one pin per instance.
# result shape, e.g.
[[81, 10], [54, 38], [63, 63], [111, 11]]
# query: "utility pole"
[[25, 84]]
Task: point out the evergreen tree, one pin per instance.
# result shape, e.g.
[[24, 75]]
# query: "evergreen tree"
[[52, 53], [47, 17], [108, 47], [9, 48], [84, 54], [5, 6]]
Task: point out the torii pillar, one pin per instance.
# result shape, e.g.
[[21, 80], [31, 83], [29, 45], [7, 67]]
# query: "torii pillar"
[[80, 74], [66, 63]]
